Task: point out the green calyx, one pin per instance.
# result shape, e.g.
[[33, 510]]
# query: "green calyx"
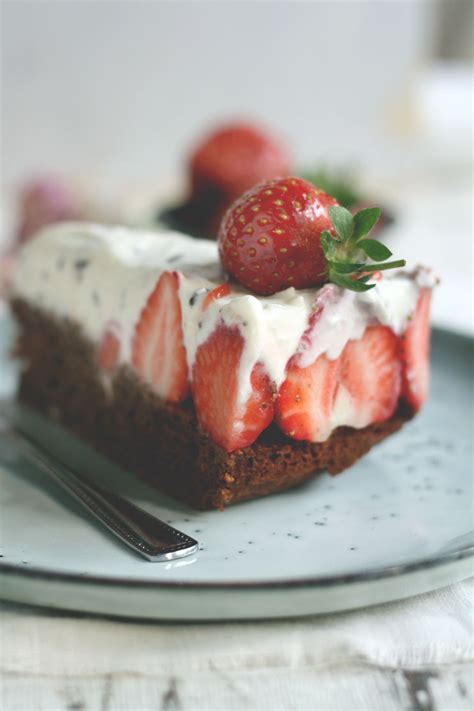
[[347, 251]]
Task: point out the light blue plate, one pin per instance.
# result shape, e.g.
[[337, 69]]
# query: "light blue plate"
[[399, 523]]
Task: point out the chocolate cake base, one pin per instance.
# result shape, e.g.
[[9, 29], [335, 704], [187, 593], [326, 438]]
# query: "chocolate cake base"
[[161, 442]]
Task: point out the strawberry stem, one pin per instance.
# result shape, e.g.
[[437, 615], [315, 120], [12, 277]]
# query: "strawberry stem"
[[346, 252], [380, 267]]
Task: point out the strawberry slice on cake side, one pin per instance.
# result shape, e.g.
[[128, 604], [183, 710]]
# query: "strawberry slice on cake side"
[[415, 349], [158, 352], [356, 387], [231, 420], [371, 375]]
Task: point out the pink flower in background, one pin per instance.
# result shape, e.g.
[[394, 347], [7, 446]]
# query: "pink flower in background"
[[44, 200]]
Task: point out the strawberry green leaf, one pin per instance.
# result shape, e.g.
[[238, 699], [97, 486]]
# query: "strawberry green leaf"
[[374, 249], [348, 283], [342, 221], [325, 236], [364, 221]]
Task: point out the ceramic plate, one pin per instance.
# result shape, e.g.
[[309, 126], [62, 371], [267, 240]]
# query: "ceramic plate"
[[398, 523]]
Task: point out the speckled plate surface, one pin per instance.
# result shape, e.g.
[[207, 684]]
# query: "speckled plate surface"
[[399, 523]]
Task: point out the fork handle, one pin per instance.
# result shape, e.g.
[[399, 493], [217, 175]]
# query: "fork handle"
[[154, 539]]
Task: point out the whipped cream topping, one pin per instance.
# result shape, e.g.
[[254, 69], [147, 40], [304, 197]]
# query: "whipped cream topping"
[[95, 275], [346, 314]]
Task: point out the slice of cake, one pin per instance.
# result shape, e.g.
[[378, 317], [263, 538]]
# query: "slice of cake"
[[216, 390]]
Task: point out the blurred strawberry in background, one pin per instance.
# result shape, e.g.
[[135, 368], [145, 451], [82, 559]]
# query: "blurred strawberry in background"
[[234, 158], [224, 164]]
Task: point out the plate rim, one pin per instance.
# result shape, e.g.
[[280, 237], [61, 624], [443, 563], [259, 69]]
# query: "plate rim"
[[329, 581]]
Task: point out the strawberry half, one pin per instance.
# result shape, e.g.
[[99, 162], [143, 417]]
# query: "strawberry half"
[[415, 345], [158, 353], [217, 293], [327, 296], [371, 374], [304, 406], [360, 387], [108, 351], [215, 387]]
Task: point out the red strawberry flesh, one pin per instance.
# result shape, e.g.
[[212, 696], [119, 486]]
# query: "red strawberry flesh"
[[371, 374], [109, 348], [217, 293], [215, 387], [304, 406], [159, 356], [360, 387], [415, 353]]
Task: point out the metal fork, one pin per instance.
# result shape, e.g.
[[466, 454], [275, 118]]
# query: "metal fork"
[[154, 539]]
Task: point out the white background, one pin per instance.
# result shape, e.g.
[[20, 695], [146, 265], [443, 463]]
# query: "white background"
[[123, 88]]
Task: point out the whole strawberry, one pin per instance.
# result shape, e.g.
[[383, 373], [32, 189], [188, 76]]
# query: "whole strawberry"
[[270, 238], [286, 232]]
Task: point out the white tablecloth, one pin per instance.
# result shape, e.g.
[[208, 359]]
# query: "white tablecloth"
[[413, 655]]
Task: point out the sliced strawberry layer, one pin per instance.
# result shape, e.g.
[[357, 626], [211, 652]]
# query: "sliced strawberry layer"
[[217, 293], [108, 351], [415, 346], [303, 409], [360, 387], [327, 296], [215, 387], [158, 352], [371, 374]]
